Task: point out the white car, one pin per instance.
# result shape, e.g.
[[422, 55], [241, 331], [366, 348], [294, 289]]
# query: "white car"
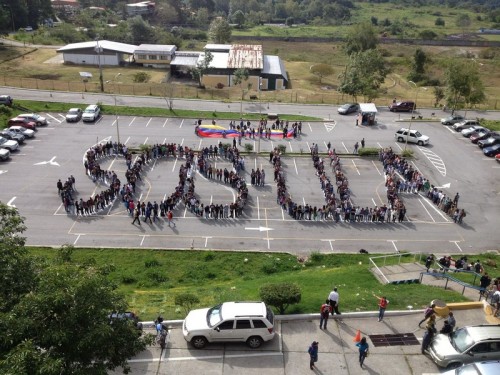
[[33, 117], [465, 124], [411, 136], [467, 132], [91, 113], [250, 322], [28, 133], [10, 145], [4, 154]]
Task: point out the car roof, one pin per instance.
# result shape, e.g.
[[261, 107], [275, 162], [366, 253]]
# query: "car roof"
[[488, 367], [243, 309], [484, 332]]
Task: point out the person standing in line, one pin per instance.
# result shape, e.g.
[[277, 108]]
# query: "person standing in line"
[[137, 214], [334, 301], [451, 320], [363, 143], [356, 146], [430, 331], [382, 305], [325, 311], [427, 313], [357, 122], [170, 217], [428, 262], [313, 354], [363, 350]]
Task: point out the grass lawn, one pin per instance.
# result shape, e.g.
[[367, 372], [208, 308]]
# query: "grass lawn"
[[150, 279]]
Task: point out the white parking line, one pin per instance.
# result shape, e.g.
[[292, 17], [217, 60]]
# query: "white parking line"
[[182, 122], [355, 167], [426, 210], [346, 150], [310, 129], [434, 208], [146, 140], [258, 208], [128, 139], [456, 243], [131, 122], [296, 170], [199, 146], [451, 130], [149, 122], [165, 123], [394, 244], [49, 115], [400, 148], [290, 144]]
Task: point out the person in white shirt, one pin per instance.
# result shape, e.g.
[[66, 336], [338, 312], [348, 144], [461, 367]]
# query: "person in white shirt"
[[334, 301]]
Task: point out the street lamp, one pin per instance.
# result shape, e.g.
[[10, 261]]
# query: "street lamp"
[[116, 111], [260, 116], [413, 109], [98, 49]]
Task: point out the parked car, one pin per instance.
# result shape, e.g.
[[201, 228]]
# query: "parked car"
[[466, 345], [451, 120], [6, 100], [468, 132], [481, 134], [91, 113], [127, 315], [413, 136], [493, 139], [497, 158], [459, 126], [74, 115], [477, 368], [33, 117], [28, 133], [12, 136], [10, 145], [4, 154], [18, 121], [492, 150], [348, 108], [250, 322], [406, 106]]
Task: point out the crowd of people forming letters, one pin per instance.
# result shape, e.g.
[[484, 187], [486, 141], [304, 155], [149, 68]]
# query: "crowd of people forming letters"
[[400, 177]]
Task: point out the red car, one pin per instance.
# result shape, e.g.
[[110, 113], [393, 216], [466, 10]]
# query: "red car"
[[497, 158], [25, 123], [477, 136]]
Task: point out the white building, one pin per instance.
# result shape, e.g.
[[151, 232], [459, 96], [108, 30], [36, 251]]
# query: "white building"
[[101, 52]]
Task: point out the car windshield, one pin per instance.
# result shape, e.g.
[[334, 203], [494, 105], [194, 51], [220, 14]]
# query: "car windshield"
[[214, 315], [461, 340], [73, 112], [89, 110]]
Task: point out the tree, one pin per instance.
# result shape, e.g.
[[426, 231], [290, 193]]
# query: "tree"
[[321, 70], [186, 301], [418, 66], [428, 35], [239, 18], [141, 31], [280, 295], [202, 66], [219, 31], [438, 95], [55, 318], [439, 22], [463, 21], [365, 72], [464, 86], [362, 37]]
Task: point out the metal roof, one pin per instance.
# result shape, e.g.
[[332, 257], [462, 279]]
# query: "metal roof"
[[219, 60], [104, 44], [367, 108], [273, 65], [162, 49], [217, 47], [186, 59], [247, 56]]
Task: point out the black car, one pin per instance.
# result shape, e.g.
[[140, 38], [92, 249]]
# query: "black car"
[[128, 315], [490, 141], [348, 108], [13, 136], [406, 106], [451, 120]]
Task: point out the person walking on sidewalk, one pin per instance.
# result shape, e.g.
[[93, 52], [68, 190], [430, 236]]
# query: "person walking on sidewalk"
[[363, 350], [313, 354], [334, 301], [137, 214], [382, 305], [170, 217], [325, 311], [427, 313]]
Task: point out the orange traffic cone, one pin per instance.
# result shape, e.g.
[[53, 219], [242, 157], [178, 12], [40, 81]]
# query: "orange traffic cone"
[[357, 338]]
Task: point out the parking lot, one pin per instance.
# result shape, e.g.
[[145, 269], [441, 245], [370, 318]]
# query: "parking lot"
[[449, 161]]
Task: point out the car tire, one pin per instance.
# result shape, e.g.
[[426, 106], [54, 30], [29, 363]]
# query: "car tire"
[[400, 139], [453, 365], [254, 342], [199, 342], [420, 143]]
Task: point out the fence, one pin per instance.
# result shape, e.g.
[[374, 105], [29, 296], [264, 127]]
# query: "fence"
[[411, 256]]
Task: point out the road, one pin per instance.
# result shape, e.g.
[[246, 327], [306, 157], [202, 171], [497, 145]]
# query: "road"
[[57, 152]]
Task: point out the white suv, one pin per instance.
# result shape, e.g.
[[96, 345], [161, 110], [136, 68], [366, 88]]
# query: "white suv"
[[250, 322], [411, 136], [91, 113]]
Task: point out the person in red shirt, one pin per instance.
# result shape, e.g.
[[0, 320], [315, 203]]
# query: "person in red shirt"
[[382, 305], [324, 312], [170, 217]]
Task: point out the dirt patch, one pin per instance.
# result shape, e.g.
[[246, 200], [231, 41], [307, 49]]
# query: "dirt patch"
[[45, 76]]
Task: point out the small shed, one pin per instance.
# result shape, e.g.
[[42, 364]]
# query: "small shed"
[[367, 114]]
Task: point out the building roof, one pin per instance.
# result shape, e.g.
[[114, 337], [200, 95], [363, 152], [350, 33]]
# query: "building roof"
[[274, 65], [219, 60], [367, 108], [186, 58], [161, 49], [247, 56], [217, 47], [104, 44]]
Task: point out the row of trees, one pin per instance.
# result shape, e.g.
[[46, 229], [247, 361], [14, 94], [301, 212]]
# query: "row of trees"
[[54, 314]]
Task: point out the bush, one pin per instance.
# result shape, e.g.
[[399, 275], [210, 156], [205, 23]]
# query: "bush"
[[280, 295], [209, 256], [186, 301], [152, 263], [408, 153], [248, 147], [316, 257], [282, 149], [368, 151], [439, 22], [157, 277], [141, 77], [128, 279]]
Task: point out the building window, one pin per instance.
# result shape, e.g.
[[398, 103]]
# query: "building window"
[[142, 57], [152, 57]]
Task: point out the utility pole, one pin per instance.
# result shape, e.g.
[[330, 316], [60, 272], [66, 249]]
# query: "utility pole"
[[98, 49]]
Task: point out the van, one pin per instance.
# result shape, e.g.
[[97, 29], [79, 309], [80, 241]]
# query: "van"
[[411, 136], [466, 345], [91, 113]]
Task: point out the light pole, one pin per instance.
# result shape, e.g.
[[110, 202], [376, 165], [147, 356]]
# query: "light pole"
[[413, 109], [98, 49], [116, 110], [260, 115]]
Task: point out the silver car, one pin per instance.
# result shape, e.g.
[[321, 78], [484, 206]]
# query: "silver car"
[[477, 368], [10, 145], [466, 345], [33, 117], [4, 154], [28, 133]]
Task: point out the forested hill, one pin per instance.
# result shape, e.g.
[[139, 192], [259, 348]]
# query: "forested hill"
[[479, 5]]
